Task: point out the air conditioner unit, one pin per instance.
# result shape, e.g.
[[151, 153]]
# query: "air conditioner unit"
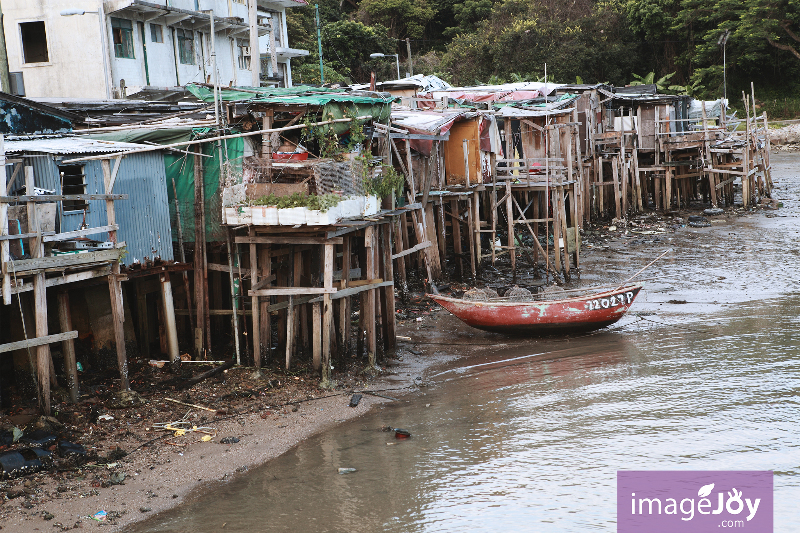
[[246, 51]]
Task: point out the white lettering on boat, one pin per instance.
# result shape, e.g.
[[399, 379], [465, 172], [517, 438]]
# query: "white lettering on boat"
[[614, 301]]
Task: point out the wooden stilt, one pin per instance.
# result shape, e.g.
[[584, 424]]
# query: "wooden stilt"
[[39, 300], [115, 286], [144, 324], [389, 338], [369, 311], [511, 245], [471, 236], [556, 228], [316, 321], [476, 231], [68, 346], [493, 215], [344, 303], [264, 317], [327, 315], [169, 317], [255, 304], [401, 262], [615, 163], [456, 226]]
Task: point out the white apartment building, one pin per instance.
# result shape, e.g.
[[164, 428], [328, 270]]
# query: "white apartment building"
[[117, 48]]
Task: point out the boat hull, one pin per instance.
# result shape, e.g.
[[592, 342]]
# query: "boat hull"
[[553, 317]]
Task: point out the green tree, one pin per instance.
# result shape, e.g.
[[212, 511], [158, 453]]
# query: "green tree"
[[403, 18]]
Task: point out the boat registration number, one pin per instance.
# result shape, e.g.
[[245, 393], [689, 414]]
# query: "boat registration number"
[[607, 303]]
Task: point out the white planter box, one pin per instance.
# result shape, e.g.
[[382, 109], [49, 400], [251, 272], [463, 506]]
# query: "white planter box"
[[292, 216], [263, 215], [238, 215], [351, 208], [371, 205], [318, 218]]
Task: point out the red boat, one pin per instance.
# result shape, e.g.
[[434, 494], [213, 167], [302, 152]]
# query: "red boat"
[[543, 317]]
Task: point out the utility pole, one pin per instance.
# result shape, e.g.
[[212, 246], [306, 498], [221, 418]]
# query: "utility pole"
[[410, 63], [6, 84], [255, 55], [319, 45]]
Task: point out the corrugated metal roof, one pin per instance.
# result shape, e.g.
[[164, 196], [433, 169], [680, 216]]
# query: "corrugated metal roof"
[[67, 145]]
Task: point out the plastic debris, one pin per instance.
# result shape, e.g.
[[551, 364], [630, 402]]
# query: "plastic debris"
[[23, 462], [105, 417], [346, 470], [354, 399], [100, 516], [229, 440]]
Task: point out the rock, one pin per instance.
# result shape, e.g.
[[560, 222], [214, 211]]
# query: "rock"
[[47, 516], [229, 440], [125, 398], [48, 424], [144, 509], [713, 211]]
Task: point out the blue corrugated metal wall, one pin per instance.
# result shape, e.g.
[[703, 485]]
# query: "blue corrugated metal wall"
[[143, 218]]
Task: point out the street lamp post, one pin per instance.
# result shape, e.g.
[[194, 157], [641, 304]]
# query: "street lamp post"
[[396, 58]]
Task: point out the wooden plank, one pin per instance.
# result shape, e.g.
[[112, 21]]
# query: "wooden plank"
[[418, 247], [62, 261], [38, 341], [63, 280], [25, 235], [61, 197], [226, 269], [79, 233], [265, 239], [420, 136], [292, 291]]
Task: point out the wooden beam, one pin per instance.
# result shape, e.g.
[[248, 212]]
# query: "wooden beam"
[[226, 269], [38, 341], [67, 260], [79, 233], [63, 280], [291, 291], [61, 197], [265, 239], [416, 248]]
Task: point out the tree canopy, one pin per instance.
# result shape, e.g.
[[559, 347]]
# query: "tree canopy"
[[477, 41]]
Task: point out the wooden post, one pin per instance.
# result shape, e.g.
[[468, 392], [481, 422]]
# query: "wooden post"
[[68, 346], [264, 317], [4, 244], [115, 286], [556, 228], [562, 209], [615, 163], [510, 215], [169, 317], [471, 236], [369, 310], [327, 316], [455, 223], [465, 148], [746, 161], [255, 304], [344, 303], [40, 299], [493, 214], [401, 262], [199, 263], [316, 324], [476, 232], [389, 338]]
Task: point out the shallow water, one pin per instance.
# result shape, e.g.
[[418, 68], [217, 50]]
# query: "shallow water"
[[529, 435]]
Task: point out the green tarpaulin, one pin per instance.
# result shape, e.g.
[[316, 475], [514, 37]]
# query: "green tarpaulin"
[[331, 102]]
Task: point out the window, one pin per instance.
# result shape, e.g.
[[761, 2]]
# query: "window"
[[34, 42], [238, 1], [243, 48], [185, 46], [73, 181], [156, 33], [122, 30]]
